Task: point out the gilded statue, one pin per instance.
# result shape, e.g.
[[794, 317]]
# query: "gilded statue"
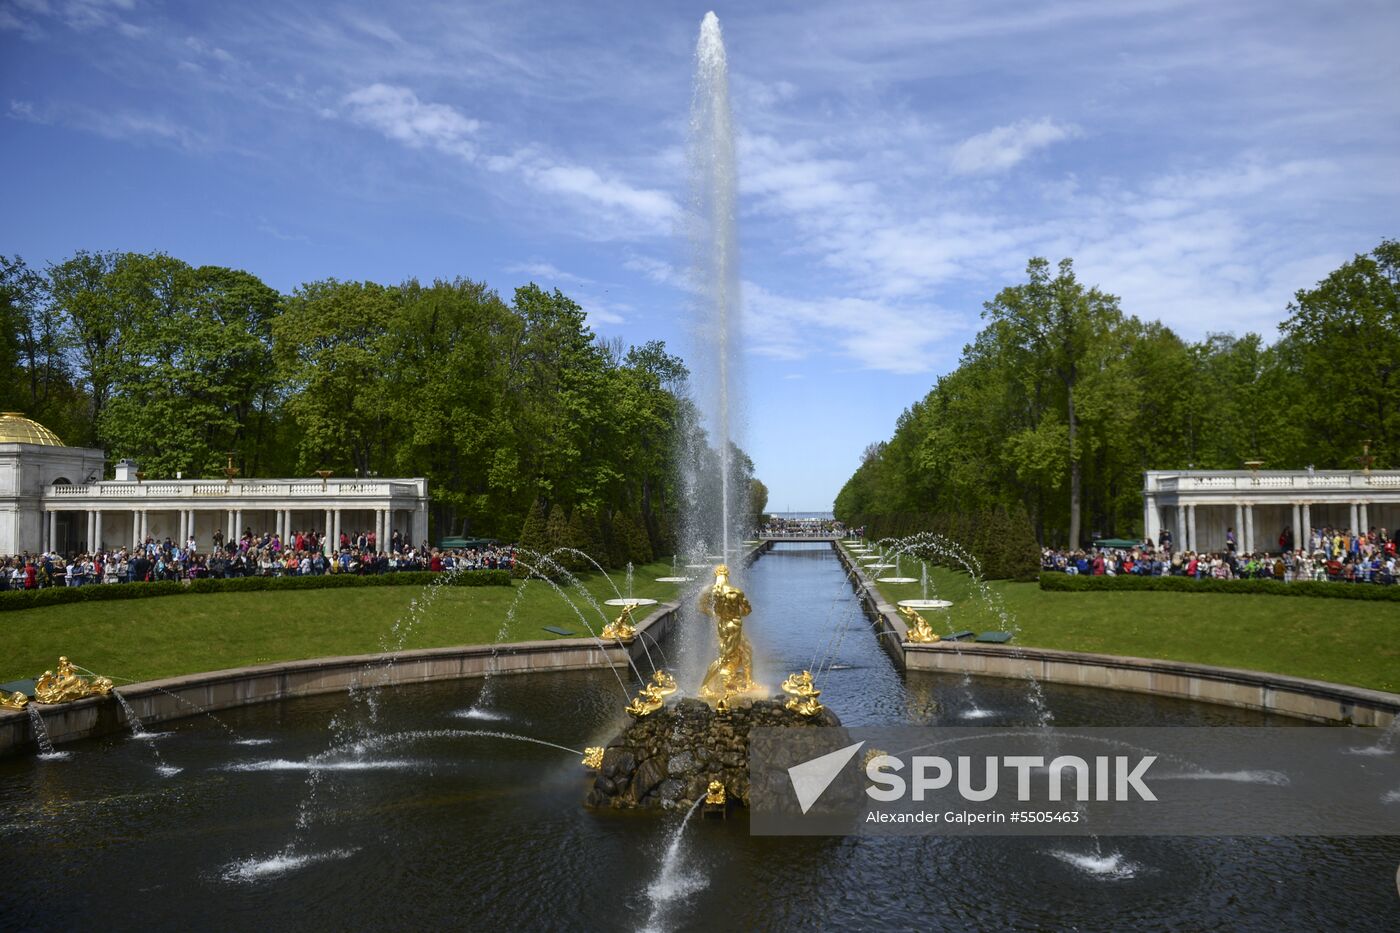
[[663, 683], [732, 671], [65, 685], [16, 700], [593, 757], [648, 701], [714, 794], [621, 628], [920, 633], [802, 694]]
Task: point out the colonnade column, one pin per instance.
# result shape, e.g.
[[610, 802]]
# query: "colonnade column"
[[335, 535], [1355, 519], [1300, 536], [326, 530], [1365, 524], [96, 529], [1191, 528], [87, 531], [237, 524], [1307, 525], [228, 524], [1181, 528], [1249, 529], [53, 530], [1239, 526]]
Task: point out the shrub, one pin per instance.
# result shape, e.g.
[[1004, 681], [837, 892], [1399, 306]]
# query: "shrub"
[[59, 595], [1078, 583]]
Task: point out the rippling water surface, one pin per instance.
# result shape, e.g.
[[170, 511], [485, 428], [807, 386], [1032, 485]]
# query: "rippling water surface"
[[427, 820]]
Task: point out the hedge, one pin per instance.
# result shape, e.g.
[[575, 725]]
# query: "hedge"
[[59, 595], [1326, 589], [1002, 541]]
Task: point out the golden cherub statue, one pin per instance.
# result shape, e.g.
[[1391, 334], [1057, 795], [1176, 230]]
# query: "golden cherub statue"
[[621, 628], [647, 702], [714, 794], [802, 694], [593, 757], [66, 685], [732, 671], [663, 683], [16, 700], [920, 633]]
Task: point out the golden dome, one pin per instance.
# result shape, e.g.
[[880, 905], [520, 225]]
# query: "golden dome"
[[17, 429]]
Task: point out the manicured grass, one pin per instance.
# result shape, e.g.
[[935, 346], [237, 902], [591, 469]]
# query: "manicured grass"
[[1322, 639], [145, 639]]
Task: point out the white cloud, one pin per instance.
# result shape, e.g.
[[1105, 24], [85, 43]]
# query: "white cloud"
[[401, 116], [653, 207], [875, 335], [546, 272], [999, 149]]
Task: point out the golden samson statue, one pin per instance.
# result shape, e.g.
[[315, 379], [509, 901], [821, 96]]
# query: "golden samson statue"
[[66, 685], [732, 672]]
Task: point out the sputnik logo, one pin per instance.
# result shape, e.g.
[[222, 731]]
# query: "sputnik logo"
[[811, 778]]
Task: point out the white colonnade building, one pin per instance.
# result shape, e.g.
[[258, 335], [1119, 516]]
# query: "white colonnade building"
[[53, 497], [1198, 506]]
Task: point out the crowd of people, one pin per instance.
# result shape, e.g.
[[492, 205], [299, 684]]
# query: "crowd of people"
[[1329, 554], [303, 553], [779, 527]]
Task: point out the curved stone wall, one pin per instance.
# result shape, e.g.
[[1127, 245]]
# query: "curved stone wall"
[[1275, 693]]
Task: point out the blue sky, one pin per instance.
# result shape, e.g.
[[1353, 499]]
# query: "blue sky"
[[899, 163]]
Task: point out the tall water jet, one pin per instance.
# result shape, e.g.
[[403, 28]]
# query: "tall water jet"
[[714, 246]]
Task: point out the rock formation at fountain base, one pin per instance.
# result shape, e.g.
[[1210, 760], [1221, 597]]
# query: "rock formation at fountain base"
[[667, 759]]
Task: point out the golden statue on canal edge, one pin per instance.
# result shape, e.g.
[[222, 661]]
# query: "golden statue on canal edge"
[[621, 628], [920, 632], [732, 671], [67, 685]]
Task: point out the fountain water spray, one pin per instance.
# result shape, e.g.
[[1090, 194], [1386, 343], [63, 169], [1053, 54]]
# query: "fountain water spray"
[[713, 235]]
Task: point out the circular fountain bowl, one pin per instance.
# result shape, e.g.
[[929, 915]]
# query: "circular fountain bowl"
[[870, 560], [630, 601], [674, 579], [699, 566], [878, 566], [896, 579], [925, 603]]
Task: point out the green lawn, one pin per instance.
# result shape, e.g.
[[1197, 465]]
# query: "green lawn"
[[1324, 639], [143, 639]]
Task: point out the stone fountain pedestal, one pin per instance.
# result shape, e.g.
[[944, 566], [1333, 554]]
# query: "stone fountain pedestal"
[[667, 759]]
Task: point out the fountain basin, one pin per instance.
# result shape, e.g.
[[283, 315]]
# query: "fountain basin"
[[669, 758], [917, 604]]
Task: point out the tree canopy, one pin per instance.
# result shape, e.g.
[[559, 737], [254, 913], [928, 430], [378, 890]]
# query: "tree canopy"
[[512, 409], [1062, 401]]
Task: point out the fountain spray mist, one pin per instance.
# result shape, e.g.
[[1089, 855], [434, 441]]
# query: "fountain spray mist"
[[714, 244]]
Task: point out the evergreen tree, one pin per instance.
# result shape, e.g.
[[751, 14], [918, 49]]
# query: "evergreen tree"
[[576, 537], [616, 535], [534, 534], [638, 544], [556, 529]]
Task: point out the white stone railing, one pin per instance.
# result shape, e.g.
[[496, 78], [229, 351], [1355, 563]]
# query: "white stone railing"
[[249, 489], [1300, 481]]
